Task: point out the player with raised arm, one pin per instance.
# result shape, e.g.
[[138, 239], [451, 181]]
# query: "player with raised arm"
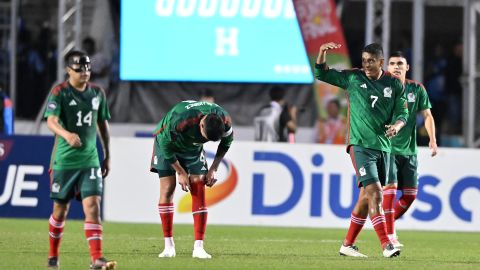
[[403, 160], [375, 98], [178, 149], [74, 110]]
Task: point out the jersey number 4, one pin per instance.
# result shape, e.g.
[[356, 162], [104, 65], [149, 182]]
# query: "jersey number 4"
[[87, 119]]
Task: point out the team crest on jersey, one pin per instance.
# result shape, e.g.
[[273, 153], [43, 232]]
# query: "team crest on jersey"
[[55, 188], [52, 105], [411, 97], [387, 92], [95, 103], [362, 171]]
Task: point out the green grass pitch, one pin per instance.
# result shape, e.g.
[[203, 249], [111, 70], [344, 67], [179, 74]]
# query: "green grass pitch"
[[24, 245]]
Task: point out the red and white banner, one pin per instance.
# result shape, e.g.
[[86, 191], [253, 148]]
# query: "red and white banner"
[[319, 24]]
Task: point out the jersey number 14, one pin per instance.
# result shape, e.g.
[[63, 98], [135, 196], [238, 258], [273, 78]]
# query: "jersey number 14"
[[87, 119]]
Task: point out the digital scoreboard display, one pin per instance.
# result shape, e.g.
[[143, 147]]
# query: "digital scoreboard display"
[[212, 40]]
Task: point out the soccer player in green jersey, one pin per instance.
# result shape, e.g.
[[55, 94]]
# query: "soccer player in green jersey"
[[74, 110], [178, 149], [403, 160], [375, 98]]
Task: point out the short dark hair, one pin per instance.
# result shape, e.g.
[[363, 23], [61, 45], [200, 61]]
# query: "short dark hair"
[[277, 93], [89, 41], [335, 101], [207, 92], [71, 54], [374, 49], [214, 127], [398, 54]]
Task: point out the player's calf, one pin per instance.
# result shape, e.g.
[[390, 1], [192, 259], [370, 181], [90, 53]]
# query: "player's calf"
[[408, 197]]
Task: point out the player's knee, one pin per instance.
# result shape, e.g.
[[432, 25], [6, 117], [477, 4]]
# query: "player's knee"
[[374, 201], [390, 186], [59, 215], [91, 208], [374, 193], [197, 178], [363, 200], [376, 198]]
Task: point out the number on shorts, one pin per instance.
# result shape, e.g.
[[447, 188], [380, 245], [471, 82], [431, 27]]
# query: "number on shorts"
[[92, 173]]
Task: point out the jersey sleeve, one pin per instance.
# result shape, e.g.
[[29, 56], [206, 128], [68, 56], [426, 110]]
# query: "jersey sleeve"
[[400, 108], [423, 100], [227, 137], [331, 76], [103, 111], [53, 104]]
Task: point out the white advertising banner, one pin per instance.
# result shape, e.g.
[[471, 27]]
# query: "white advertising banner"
[[307, 185]]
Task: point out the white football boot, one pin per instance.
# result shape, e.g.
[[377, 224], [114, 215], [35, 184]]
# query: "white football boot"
[[390, 251], [351, 251], [395, 242], [200, 253], [168, 252]]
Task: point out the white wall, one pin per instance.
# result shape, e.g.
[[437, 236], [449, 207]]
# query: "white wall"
[[131, 191]]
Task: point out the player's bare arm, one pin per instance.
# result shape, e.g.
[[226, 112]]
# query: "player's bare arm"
[[322, 54], [72, 138], [183, 178], [210, 178], [392, 130], [292, 124], [430, 127], [104, 130]]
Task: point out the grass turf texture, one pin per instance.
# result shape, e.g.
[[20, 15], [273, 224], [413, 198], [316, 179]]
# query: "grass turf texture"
[[24, 245]]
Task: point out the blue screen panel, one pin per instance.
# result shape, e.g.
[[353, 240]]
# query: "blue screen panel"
[[212, 40]]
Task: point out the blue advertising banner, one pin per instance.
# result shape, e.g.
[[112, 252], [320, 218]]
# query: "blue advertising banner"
[[25, 179], [212, 40]]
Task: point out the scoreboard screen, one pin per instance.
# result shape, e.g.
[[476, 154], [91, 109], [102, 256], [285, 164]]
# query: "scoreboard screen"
[[212, 40]]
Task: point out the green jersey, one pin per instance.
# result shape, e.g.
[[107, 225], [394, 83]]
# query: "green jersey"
[[179, 130], [405, 143], [78, 112], [372, 104]]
